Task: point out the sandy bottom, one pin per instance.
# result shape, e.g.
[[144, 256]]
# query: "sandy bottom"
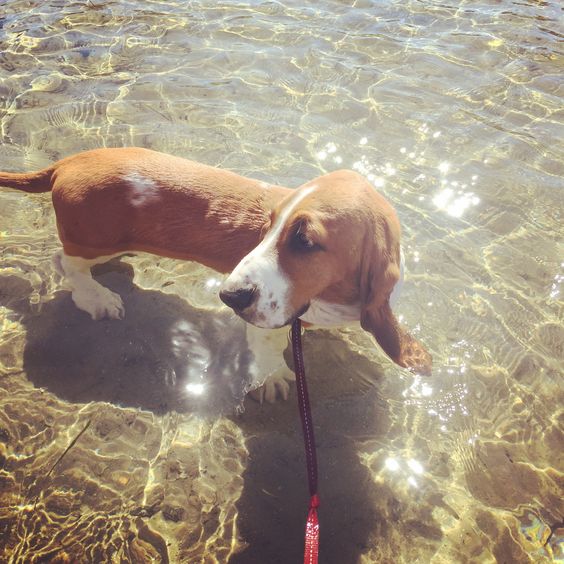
[[106, 458]]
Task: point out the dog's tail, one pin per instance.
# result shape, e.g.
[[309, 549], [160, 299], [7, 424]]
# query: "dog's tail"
[[39, 181]]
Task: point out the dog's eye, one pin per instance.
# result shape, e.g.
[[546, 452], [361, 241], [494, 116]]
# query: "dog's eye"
[[303, 242]]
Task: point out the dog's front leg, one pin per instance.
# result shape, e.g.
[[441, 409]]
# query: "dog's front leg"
[[270, 376]]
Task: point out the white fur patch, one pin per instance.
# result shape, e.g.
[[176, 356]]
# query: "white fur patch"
[[326, 314], [143, 189]]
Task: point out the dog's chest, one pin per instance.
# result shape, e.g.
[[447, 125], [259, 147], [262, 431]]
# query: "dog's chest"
[[326, 314]]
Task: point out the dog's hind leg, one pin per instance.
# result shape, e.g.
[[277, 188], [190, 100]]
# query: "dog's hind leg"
[[87, 294]]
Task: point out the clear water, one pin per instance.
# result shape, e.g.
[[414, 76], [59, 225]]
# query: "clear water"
[[454, 110]]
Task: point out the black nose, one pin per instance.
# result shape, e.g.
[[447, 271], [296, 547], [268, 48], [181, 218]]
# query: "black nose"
[[238, 299]]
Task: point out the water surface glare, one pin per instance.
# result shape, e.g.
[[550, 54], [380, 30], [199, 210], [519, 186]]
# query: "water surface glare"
[[118, 441]]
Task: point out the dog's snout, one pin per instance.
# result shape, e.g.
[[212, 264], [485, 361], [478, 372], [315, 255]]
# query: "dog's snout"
[[238, 299]]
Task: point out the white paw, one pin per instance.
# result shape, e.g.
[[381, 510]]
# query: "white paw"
[[99, 302], [276, 385]]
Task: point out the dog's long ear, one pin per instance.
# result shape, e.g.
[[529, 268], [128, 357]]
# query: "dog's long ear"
[[379, 273]]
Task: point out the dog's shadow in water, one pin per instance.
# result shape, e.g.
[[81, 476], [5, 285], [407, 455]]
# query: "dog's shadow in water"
[[153, 360], [346, 409], [164, 355]]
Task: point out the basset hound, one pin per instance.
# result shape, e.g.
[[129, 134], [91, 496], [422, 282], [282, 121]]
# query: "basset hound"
[[327, 252]]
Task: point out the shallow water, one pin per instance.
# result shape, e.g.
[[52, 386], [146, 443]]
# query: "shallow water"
[[454, 111]]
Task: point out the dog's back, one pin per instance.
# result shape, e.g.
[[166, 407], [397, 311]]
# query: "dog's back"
[[109, 201]]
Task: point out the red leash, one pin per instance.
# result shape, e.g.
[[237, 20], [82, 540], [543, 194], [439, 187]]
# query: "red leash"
[[312, 526]]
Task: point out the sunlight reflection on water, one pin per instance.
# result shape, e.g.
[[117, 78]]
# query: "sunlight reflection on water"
[[453, 112]]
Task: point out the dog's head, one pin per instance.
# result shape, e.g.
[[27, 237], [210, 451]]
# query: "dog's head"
[[334, 238]]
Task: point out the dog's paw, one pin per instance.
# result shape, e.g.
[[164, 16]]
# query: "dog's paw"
[[113, 307], [415, 356], [276, 385], [99, 302]]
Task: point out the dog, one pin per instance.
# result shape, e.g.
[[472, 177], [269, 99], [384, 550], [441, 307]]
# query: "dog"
[[327, 252]]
